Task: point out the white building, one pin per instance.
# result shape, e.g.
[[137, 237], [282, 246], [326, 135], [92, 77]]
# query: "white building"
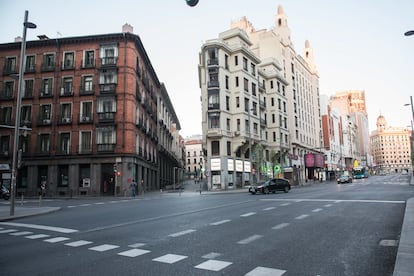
[[254, 87]]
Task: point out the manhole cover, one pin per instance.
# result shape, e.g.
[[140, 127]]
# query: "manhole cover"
[[389, 243]]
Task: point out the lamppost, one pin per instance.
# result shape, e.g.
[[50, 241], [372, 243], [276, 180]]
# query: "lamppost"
[[26, 25], [250, 147], [412, 122]]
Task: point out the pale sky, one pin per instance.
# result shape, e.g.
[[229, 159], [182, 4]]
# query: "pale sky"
[[358, 44]]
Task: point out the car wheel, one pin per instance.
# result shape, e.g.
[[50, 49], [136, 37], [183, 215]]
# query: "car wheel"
[[286, 190], [266, 191], [253, 193]]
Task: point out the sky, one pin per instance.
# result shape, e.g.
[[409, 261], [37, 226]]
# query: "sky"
[[357, 44]]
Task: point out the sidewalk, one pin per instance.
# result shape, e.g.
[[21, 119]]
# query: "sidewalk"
[[21, 212]]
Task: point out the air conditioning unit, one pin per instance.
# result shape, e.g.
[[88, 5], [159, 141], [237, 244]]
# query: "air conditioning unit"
[[66, 120], [46, 121], [85, 119]]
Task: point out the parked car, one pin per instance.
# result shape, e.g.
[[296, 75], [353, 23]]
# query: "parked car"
[[4, 193], [344, 179], [272, 185]]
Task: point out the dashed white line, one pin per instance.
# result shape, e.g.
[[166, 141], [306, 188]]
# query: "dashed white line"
[[7, 231], [248, 214], [57, 239], [302, 216], [250, 239], [317, 210], [103, 247], [285, 204], [133, 252], [280, 226], [220, 222], [213, 265], [265, 271], [23, 233], [136, 245], [38, 236], [328, 205], [185, 232], [170, 258], [269, 208], [78, 243]]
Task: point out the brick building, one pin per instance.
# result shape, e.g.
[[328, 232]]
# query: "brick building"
[[91, 104]]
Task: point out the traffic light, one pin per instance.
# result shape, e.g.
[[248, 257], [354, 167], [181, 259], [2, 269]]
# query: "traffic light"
[[118, 173], [191, 3], [115, 168]]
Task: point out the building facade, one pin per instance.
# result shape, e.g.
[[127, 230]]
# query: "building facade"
[[194, 156], [91, 103], [260, 105], [391, 147]]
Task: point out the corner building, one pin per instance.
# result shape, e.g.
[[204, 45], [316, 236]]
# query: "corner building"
[[260, 106], [91, 104]]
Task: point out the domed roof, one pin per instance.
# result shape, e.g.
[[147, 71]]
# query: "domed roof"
[[381, 122]]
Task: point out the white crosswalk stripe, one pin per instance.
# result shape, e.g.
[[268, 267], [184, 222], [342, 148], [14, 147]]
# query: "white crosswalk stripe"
[[170, 258], [213, 265], [134, 252], [103, 247]]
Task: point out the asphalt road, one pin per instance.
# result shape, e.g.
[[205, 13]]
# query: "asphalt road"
[[322, 229]]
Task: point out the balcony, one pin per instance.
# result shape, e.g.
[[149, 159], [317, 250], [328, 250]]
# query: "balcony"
[[213, 106], [108, 61], [263, 122], [30, 68], [25, 123], [48, 67], [106, 117], [68, 65], [86, 119], [28, 94], [46, 93], [213, 84], [262, 88], [6, 95], [85, 149], [108, 88], [64, 150], [103, 148], [212, 61], [86, 64], [66, 91], [87, 89], [8, 70], [44, 122], [65, 120]]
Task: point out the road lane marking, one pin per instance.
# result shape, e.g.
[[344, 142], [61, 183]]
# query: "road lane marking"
[[334, 200], [220, 222], [57, 239], [269, 208], [285, 204], [280, 226], [103, 247], [136, 245], [211, 255], [38, 236], [263, 271], [248, 214], [78, 243], [302, 216], [250, 239], [213, 265], [317, 210], [8, 231], [170, 258], [134, 252], [23, 233], [40, 227], [328, 205], [185, 232], [99, 203]]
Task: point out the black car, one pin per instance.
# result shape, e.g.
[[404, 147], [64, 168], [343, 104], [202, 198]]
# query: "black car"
[[272, 185]]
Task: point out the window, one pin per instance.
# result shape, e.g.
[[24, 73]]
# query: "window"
[[48, 62], [105, 135], [195, 154], [253, 89], [237, 102], [255, 128], [106, 107], [66, 112], [87, 84], [64, 143], [236, 60], [215, 147], [226, 62], [213, 101], [10, 65], [279, 104], [30, 64], [253, 69], [254, 108], [26, 115], [273, 101], [227, 103], [246, 105], [63, 179], [284, 106], [237, 81], [271, 84], [227, 82], [247, 126], [86, 111], [238, 124], [4, 145], [47, 87], [195, 161], [28, 88], [228, 148], [273, 118], [5, 115], [44, 143], [69, 60], [67, 86], [108, 77], [244, 63], [45, 113], [88, 59], [85, 139], [109, 54], [246, 85], [228, 124], [214, 120], [8, 90]]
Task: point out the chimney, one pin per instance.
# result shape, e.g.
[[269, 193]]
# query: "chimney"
[[18, 39], [43, 37]]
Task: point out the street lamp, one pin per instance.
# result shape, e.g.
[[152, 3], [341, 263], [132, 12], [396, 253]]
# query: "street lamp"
[[412, 119], [409, 33], [26, 25]]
